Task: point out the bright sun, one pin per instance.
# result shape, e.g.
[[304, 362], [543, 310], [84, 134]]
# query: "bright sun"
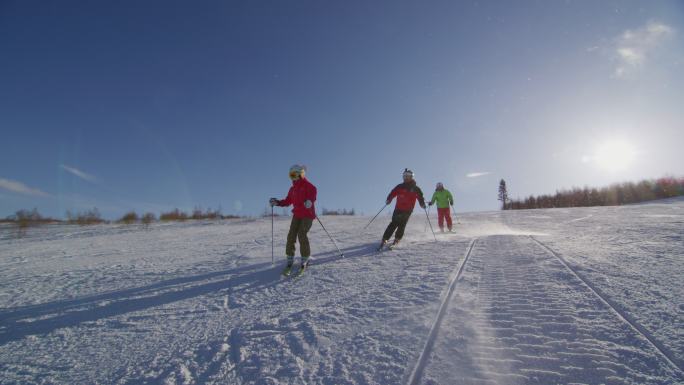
[[615, 155]]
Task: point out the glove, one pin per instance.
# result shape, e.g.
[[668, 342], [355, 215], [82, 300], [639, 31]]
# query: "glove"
[[308, 204], [422, 205], [273, 202], [431, 203], [388, 201]]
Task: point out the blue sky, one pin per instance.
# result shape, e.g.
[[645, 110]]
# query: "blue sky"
[[160, 104]]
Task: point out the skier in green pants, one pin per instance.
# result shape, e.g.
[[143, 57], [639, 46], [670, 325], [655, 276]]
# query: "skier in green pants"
[[301, 196]]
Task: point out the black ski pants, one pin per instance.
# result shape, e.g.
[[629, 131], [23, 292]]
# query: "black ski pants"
[[399, 220]]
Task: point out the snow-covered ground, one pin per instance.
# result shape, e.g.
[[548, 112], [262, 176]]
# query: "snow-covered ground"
[[559, 296]]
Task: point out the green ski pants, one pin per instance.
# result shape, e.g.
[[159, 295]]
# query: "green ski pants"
[[299, 227]]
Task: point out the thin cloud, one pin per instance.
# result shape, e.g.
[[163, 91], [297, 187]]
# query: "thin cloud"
[[20, 188], [79, 173], [477, 174], [633, 47]]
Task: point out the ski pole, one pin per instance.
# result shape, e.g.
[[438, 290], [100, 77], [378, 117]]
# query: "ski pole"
[[428, 218], [376, 215], [331, 238], [426, 225], [454, 213], [272, 252]]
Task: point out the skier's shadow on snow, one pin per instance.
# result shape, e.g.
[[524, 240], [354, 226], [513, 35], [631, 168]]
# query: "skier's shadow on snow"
[[18, 323], [365, 250]]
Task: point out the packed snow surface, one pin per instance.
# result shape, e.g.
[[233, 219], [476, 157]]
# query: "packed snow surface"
[[558, 296]]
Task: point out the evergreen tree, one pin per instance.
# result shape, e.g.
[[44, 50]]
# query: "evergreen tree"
[[503, 194]]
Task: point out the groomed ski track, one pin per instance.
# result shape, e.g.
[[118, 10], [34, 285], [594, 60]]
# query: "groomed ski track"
[[417, 373], [523, 318], [666, 354], [446, 297]]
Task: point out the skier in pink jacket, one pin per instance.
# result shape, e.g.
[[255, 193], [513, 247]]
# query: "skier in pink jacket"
[[301, 196]]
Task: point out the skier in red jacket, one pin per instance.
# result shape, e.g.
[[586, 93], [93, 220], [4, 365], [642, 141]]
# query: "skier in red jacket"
[[301, 196], [406, 193]]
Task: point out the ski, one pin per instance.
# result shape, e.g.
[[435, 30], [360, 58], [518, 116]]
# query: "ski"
[[387, 246], [383, 247], [300, 272], [288, 271]]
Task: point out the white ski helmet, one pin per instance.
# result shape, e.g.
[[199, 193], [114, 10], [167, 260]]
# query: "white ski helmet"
[[297, 171], [407, 174]]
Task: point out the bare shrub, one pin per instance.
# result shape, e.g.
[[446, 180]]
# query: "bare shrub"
[[197, 214], [175, 215], [148, 218], [24, 219], [129, 218], [338, 212], [89, 217]]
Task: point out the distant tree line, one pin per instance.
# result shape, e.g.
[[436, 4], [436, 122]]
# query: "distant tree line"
[[26, 218], [285, 211], [88, 217], [614, 195], [197, 214], [338, 212]]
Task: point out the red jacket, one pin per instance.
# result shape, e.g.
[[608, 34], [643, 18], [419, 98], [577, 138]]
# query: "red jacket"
[[301, 190], [406, 194]]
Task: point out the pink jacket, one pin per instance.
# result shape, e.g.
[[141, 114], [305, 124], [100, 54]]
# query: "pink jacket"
[[301, 190]]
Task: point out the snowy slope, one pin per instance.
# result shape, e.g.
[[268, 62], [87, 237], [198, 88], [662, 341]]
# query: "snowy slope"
[[561, 296]]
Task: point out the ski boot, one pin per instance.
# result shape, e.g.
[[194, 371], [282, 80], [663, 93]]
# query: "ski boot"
[[382, 244], [303, 267], [288, 269]]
